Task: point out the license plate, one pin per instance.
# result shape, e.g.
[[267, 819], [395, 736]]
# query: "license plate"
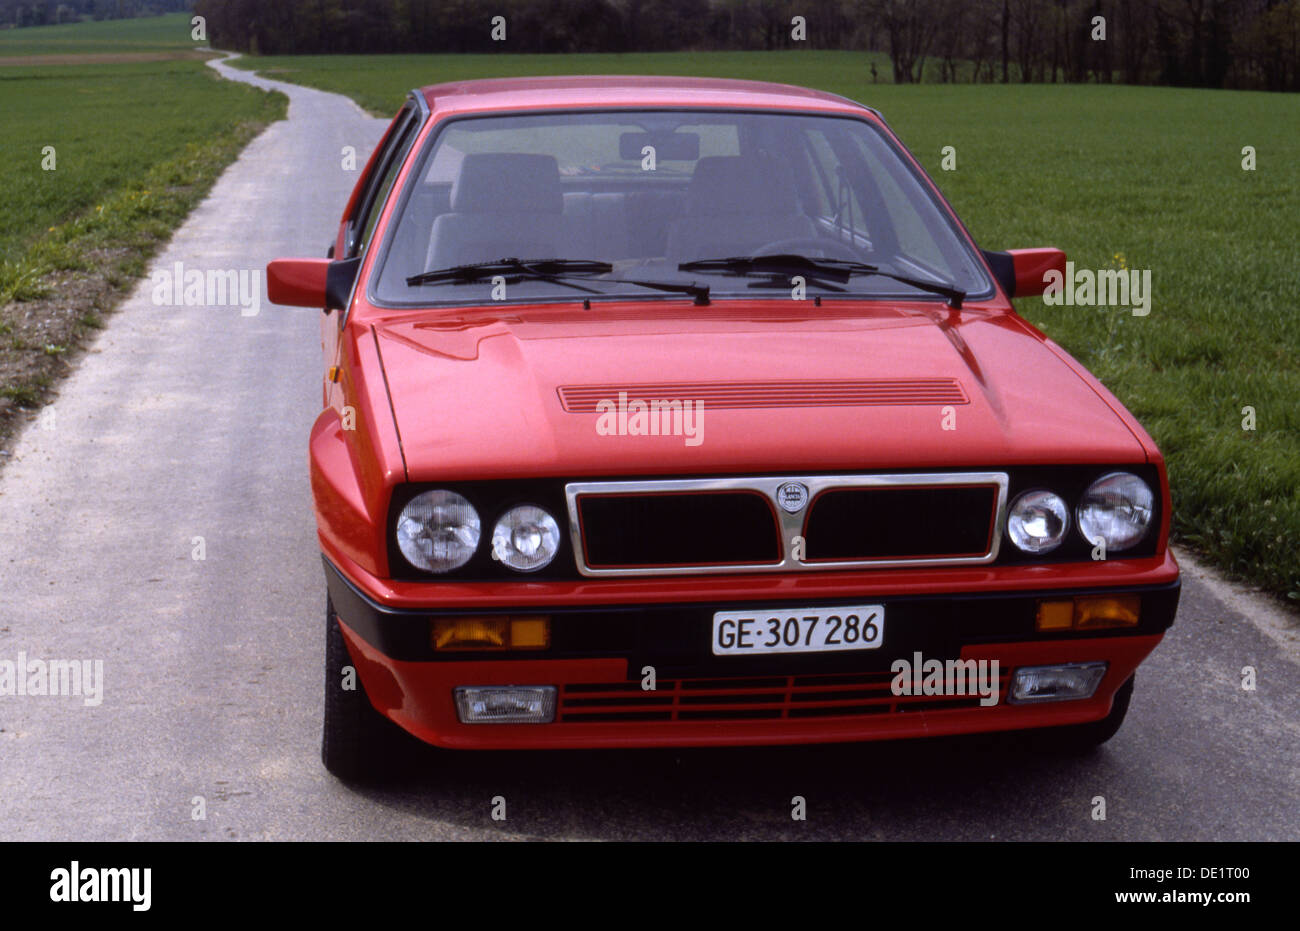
[[803, 630]]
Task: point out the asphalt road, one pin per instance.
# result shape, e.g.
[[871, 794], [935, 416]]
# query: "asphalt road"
[[187, 422]]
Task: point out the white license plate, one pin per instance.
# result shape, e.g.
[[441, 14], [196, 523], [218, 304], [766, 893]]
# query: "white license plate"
[[802, 630]]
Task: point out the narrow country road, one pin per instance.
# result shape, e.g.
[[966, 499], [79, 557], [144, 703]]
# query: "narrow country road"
[[191, 422]]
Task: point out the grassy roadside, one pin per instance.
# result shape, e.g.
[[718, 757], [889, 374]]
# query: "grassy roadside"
[[135, 147], [1133, 177]]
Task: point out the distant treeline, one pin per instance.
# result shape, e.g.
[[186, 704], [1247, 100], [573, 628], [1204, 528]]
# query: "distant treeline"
[[53, 12], [1194, 43]]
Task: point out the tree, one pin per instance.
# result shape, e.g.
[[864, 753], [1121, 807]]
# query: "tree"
[[910, 28]]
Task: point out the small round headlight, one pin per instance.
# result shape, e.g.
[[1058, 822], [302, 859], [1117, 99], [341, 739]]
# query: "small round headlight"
[[438, 531], [1116, 509], [1038, 521], [526, 538]]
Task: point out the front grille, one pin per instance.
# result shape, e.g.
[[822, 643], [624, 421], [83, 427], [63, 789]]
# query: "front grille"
[[784, 523], [892, 523], [695, 528], [767, 698]]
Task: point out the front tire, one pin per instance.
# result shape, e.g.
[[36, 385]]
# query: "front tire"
[[1083, 738], [358, 744]]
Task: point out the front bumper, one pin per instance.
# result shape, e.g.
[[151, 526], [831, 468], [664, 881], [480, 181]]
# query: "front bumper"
[[598, 654]]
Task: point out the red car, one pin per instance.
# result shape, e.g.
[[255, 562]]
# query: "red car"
[[677, 412]]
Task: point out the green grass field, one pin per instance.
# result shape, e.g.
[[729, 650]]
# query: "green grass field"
[[1147, 178], [111, 125], [135, 144], [167, 33]]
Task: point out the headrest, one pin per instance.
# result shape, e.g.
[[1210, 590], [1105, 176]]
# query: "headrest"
[[507, 182], [728, 184]]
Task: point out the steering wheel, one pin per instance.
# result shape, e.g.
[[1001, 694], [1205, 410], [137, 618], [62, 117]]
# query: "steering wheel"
[[812, 247]]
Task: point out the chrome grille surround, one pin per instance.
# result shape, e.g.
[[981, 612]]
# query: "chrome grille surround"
[[789, 525]]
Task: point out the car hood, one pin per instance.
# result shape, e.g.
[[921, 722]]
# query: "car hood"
[[519, 392]]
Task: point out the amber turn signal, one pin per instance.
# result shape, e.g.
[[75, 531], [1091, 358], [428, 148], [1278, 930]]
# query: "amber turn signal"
[[1055, 615], [1093, 611], [1088, 612], [492, 633]]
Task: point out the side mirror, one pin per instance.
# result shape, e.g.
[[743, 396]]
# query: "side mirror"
[[1021, 271], [323, 283]]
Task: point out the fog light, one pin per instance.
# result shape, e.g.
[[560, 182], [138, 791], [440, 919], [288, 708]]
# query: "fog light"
[[487, 633], [505, 704], [1056, 683]]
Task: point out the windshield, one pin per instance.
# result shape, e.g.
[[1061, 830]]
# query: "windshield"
[[647, 191]]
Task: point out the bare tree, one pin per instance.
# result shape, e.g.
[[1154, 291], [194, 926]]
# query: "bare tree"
[[910, 28]]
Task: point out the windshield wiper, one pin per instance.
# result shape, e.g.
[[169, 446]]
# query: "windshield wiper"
[[821, 270], [698, 291], [556, 271]]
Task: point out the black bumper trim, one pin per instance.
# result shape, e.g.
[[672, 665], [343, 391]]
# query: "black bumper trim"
[[668, 636]]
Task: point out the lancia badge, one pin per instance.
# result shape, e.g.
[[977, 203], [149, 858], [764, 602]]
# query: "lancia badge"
[[792, 496]]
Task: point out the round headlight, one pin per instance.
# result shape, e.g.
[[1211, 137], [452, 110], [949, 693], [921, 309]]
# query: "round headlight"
[[1038, 521], [438, 531], [526, 538], [1116, 509]]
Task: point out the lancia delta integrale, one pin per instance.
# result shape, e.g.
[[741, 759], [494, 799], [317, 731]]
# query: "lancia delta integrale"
[[678, 412]]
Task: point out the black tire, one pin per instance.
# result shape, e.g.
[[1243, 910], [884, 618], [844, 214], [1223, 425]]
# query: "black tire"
[[1084, 738], [358, 744]]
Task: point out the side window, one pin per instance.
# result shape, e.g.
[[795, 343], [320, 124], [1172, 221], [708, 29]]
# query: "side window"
[[381, 195], [820, 186], [914, 219], [386, 167], [914, 239]]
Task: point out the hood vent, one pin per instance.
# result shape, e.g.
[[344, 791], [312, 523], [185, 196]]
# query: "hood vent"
[[582, 399]]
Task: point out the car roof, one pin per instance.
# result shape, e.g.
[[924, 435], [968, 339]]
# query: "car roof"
[[601, 91]]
